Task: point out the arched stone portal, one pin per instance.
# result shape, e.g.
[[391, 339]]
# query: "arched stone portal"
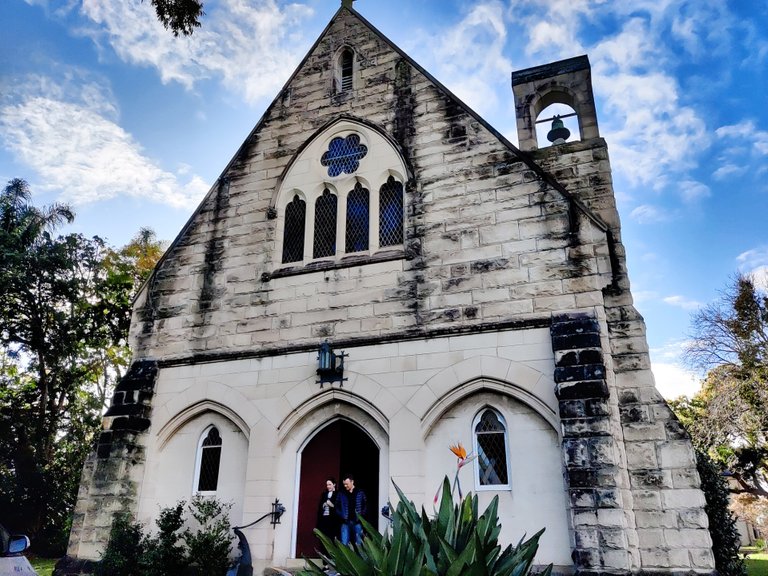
[[341, 447]]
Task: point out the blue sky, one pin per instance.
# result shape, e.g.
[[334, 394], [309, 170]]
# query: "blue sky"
[[102, 108]]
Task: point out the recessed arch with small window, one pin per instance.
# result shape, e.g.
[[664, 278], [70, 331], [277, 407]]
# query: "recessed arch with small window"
[[342, 195], [208, 461], [491, 444]]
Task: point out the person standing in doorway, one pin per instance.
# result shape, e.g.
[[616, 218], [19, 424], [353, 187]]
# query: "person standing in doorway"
[[327, 518], [351, 506]]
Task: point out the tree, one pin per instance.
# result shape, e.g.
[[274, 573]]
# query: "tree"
[[180, 16], [726, 539], [63, 303], [728, 417]]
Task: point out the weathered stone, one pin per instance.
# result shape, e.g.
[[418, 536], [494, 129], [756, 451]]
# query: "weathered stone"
[[505, 291]]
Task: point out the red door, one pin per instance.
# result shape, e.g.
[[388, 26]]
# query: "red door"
[[338, 449]]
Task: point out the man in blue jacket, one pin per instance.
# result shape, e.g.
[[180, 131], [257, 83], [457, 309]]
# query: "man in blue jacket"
[[351, 507]]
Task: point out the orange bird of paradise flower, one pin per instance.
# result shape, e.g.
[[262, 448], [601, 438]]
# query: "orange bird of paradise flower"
[[459, 450], [462, 458]]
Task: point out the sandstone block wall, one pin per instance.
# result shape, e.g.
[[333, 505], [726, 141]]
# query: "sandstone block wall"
[[486, 239], [662, 484], [496, 242]]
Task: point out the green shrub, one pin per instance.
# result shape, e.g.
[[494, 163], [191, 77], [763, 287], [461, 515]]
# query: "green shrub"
[[172, 551], [760, 544], [455, 542], [163, 554], [722, 525], [210, 545], [126, 545]]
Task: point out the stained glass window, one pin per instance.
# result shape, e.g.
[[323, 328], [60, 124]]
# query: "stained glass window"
[[344, 155], [325, 225], [210, 457], [491, 450], [346, 68], [293, 234], [391, 213], [357, 219]]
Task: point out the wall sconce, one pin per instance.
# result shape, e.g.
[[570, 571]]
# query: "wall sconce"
[[330, 366], [277, 511]]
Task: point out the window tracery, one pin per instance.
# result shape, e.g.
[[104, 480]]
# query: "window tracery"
[[328, 211], [344, 155]]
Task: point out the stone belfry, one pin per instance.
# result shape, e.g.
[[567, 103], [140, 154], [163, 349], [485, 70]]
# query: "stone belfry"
[[475, 291], [630, 465]]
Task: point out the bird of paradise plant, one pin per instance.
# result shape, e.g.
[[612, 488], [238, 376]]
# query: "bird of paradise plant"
[[462, 459], [457, 540]]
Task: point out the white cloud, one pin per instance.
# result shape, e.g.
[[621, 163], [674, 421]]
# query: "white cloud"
[[672, 380], [468, 57], [692, 191], [682, 302], [748, 132], [728, 170], [642, 296], [646, 214], [652, 135], [755, 263], [743, 129], [760, 277], [249, 45], [67, 133]]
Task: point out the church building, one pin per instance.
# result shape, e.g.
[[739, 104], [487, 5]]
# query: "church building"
[[378, 274]]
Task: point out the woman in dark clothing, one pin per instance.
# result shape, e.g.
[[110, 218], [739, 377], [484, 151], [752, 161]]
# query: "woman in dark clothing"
[[327, 519]]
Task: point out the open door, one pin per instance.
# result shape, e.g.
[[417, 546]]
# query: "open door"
[[340, 448]]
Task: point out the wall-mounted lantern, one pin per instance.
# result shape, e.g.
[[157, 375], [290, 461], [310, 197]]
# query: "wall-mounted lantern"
[[330, 366]]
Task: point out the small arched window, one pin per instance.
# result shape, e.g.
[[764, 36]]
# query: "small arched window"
[[492, 465], [346, 69], [208, 460], [357, 219], [293, 233], [325, 225], [391, 213]]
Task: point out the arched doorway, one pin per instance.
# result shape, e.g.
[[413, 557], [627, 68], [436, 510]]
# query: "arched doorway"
[[341, 447]]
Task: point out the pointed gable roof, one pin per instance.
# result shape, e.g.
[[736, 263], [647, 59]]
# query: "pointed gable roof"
[[576, 204]]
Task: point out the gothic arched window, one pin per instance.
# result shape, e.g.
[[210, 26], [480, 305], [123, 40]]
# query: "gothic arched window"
[[490, 434], [391, 213], [341, 201], [358, 208], [293, 233], [325, 225], [208, 460]]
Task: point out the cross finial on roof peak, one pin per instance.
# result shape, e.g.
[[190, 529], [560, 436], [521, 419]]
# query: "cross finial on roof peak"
[[347, 3]]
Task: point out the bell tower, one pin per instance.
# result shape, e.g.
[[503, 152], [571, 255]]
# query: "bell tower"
[[566, 82]]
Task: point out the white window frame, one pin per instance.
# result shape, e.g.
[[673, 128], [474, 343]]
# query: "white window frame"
[[199, 461], [308, 179], [476, 449]]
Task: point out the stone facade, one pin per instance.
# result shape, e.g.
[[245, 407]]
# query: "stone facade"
[[508, 292]]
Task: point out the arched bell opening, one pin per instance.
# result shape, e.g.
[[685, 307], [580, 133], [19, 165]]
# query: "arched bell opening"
[[557, 124]]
